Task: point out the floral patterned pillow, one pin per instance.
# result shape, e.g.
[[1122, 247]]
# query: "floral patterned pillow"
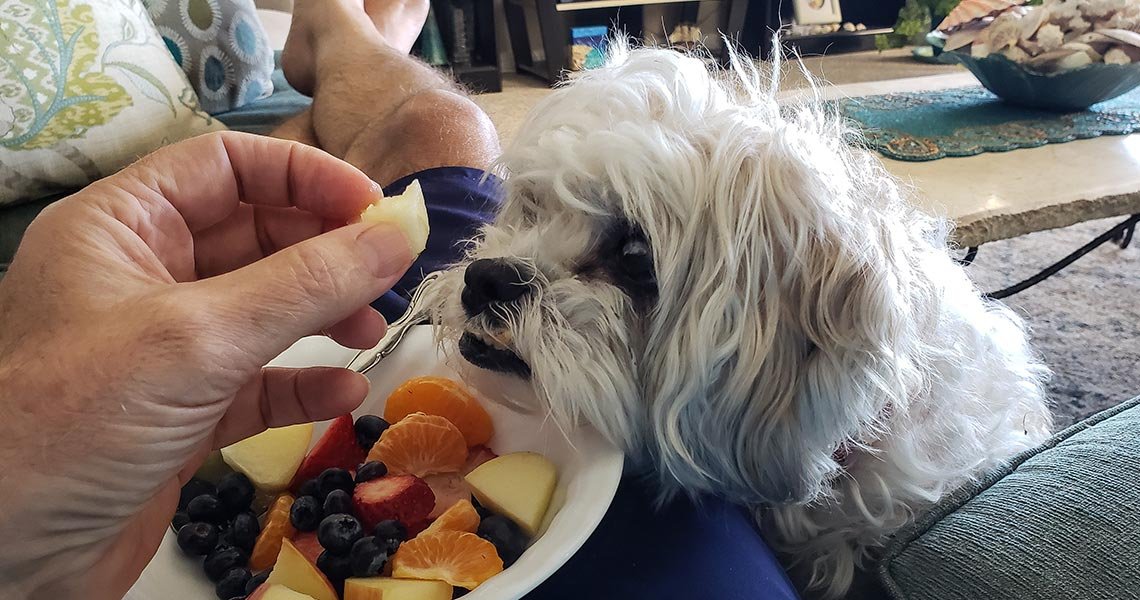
[[221, 45], [86, 87]]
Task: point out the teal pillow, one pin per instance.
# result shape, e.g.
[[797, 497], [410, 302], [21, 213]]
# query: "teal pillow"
[[221, 45], [1060, 522]]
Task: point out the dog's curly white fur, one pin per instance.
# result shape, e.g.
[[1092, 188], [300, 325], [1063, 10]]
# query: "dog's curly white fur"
[[811, 350]]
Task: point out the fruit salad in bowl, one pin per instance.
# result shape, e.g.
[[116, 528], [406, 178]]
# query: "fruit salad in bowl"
[[426, 492]]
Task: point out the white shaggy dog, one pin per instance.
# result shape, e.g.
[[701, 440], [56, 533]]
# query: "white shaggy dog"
[[745, 304]]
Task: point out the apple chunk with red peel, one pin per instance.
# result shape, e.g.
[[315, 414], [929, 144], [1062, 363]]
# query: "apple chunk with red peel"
[[295, 572], [388, 588], [272, 457], [276, 592], [518, 486]]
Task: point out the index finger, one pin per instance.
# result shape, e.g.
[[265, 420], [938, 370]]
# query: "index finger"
[[206, 177]]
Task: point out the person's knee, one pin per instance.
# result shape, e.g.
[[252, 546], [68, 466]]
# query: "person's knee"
[[447, 125], [433, 128]]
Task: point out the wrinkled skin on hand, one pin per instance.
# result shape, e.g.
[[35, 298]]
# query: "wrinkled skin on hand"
[[135, 322]]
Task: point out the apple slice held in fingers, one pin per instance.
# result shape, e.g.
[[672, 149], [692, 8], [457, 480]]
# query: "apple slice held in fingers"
[[407, 211]]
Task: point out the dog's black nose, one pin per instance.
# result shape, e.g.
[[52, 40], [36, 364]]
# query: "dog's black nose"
[[494, 280]]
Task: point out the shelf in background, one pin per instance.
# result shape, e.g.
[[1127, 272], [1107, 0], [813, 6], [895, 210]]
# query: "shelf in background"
[[595, 4], [838, 34], [835, 42]]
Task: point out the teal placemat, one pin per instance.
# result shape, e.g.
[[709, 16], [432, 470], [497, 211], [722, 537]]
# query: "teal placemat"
[[919, 126]]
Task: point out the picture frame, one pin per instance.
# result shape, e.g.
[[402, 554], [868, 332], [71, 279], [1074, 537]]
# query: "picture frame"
[[817, 12]]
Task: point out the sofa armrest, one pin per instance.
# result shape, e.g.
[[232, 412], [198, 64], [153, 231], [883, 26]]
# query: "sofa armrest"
[[1059, 522]]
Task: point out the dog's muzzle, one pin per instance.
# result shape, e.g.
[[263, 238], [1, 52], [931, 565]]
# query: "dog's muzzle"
[[491, 287]]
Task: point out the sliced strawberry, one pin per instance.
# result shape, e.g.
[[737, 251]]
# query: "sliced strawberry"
[[448, 488], [418, 527], [406, 498], [336, 448], [307, 544], [476, 456]]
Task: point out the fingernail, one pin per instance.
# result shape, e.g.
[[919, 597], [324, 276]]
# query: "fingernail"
[[376, 190], [386, 250]]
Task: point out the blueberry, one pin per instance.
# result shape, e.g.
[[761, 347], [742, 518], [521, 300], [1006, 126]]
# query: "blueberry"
[[368, 429], [371, 470], [194, 488], [306, 513], [338, 501], [309, 488], [368, 557], [509, 539], [232, 584], [198, 539], [179, 521], [338, 533], [222, 559], [256, 581], [206, 508], [458, 592], [390, 530], [244, 531], [334, 479], [336, 568], [236, 492]]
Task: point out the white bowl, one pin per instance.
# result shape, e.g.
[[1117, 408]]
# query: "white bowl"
[[588, 473]]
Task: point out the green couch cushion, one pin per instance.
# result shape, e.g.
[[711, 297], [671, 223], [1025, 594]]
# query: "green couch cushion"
[[1059, 522]]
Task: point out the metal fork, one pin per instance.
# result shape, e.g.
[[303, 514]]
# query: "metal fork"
[[365, 360]]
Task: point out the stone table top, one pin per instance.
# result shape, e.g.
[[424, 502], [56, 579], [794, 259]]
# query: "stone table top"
[[1000, 195]]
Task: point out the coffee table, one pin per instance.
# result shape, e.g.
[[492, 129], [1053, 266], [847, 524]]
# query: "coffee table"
[[995, 196]]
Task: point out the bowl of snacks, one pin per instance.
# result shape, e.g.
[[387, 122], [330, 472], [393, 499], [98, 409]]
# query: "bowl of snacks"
[[425, 492], [1061, 55]]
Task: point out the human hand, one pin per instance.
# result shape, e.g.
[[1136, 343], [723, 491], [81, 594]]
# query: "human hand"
[[135, 323]]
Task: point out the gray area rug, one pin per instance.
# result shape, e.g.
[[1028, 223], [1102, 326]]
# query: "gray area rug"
[[1084, 321]]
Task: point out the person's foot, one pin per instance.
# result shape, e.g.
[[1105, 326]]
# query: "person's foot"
[[398, 21], [298, 57]]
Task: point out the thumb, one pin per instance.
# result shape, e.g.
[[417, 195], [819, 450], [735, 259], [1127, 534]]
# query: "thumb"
[[307, 287]]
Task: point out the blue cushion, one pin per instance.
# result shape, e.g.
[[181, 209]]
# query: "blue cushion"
[[1061, 521], [266, 114], [222, 47]]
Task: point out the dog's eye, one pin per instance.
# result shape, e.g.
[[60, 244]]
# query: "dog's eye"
[[625, 258], [636, 260]]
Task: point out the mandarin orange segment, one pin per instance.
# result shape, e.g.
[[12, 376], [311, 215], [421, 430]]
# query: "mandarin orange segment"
[[277, 527], [445, 398], [462, 559], [462, 516], [421, 445]]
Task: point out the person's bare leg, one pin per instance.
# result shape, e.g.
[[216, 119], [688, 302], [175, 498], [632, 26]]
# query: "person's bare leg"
[[298, 128], [373, 105]]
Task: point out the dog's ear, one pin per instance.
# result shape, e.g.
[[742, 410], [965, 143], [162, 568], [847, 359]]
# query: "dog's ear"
[[784, 331]]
